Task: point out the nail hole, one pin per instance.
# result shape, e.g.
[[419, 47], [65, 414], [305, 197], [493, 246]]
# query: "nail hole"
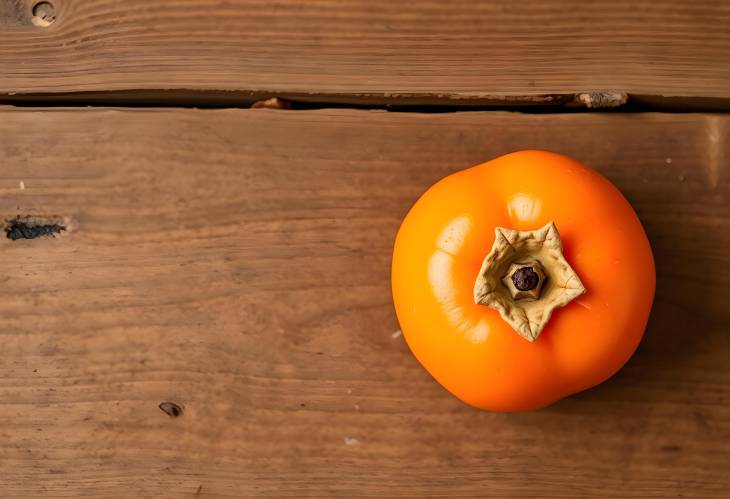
[[171, 409], [44, 14]]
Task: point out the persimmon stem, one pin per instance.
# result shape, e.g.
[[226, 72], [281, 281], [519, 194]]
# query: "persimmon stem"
[[525, 277]]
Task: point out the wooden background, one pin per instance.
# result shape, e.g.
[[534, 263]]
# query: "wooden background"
[[236, 262], [431, 51]]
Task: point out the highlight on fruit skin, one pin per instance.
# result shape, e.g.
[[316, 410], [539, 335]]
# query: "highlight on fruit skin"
[[522, 280]]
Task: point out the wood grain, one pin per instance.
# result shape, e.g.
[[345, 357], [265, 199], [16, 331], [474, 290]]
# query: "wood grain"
[[460, 52], [235, 264]]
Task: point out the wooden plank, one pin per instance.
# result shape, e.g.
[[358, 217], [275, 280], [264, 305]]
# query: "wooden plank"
[[236, 263], [460, 52]]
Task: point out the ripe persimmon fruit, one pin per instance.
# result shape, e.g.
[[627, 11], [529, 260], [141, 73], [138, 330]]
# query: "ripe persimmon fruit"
[[522, 280]]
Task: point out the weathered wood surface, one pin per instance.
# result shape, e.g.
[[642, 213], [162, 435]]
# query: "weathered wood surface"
[[430, 51], [236, 263]]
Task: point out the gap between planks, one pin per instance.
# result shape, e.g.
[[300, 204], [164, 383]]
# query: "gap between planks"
[[430, 103]]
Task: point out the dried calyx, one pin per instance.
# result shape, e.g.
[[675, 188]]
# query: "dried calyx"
[[525, 277]]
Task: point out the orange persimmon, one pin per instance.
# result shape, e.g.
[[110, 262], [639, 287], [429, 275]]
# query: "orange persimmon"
[[522, 280]]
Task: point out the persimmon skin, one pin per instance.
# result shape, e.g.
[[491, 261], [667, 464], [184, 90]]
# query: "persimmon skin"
[[468, 348]]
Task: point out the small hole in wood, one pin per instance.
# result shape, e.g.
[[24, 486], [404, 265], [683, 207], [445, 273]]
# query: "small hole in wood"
[[44, 14], [171, 409]]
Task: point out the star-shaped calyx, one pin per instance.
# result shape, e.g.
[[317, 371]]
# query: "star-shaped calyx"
[[525, 277]]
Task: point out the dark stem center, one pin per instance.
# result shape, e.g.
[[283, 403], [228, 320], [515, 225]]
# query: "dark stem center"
[[525, 279]]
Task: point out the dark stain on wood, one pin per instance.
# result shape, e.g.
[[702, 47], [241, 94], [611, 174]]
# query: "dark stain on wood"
[[31, 228]]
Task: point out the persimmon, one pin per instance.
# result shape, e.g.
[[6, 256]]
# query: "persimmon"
[[522, 280]]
